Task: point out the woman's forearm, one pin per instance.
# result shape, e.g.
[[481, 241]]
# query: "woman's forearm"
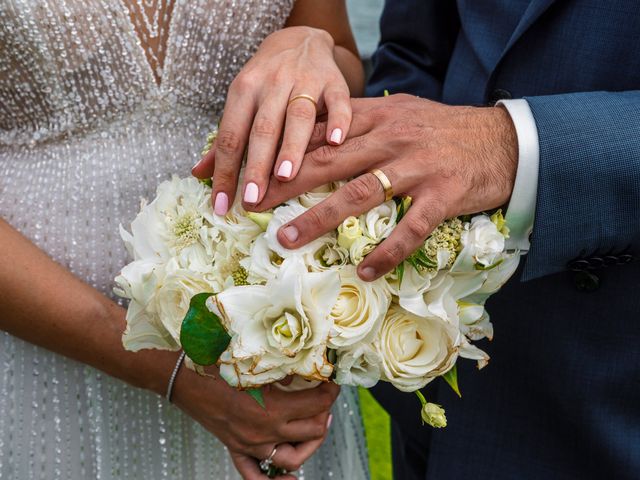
[[44, 304]]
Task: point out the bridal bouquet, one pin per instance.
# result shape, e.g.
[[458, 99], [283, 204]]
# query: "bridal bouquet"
[[224, 290]]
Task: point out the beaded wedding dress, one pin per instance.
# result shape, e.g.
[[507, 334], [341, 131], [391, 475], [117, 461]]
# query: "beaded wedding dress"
[[101, 100]]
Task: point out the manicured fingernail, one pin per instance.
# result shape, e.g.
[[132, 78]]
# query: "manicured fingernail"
[[285, 169], [336, 135], [221, 205], [329, 420], [368, 273], [251, 193], [291, 233]]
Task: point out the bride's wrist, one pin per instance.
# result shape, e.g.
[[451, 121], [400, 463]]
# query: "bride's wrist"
[[297, 34], [149, 369]]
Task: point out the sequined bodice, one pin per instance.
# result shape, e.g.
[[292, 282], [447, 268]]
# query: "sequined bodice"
[[98, 104], [76, 65]]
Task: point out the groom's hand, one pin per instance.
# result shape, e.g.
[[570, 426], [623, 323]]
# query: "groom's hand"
[[450, 160]]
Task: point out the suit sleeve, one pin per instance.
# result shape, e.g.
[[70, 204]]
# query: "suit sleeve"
[[588, 200], [416, 44]]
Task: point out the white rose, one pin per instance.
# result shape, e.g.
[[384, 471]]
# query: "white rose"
[[358, 366], [360, 248], [348, 231], [177, 223], [380, 221], [414, 349], [285, 214], [358, 310], [281, 326], [481, 241]]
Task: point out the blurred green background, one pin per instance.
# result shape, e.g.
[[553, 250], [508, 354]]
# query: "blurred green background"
[[376, 424]]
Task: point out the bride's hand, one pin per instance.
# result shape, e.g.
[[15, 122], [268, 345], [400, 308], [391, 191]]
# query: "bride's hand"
[[295, 422], [264, 105]]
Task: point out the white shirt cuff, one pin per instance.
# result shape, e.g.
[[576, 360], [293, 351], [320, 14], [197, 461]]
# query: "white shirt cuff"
[[522, 206]]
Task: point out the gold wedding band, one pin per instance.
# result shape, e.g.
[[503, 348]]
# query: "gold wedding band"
[[304, 96], [385, 182]]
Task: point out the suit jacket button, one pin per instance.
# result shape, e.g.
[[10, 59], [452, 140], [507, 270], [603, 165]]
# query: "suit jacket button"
[[586, 282], [499, 94]]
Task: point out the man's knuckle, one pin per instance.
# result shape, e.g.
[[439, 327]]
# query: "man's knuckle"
[[360, 190], [418, 226], [322, 157], [318, 217], [393, 253]]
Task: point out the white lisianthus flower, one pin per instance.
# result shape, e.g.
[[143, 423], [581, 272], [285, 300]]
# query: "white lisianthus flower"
[[415, 350], [263, 263], [177, 223], [481, 241], [380, 221], [349, 231], [285, 214], [330, 257], [442, 298], [359, 366], [281, 326], [471, 352], [174, 291], [359, 309], [360, 248], [474, 321], [138, 282], [410, 291], [317, 195], [238, 230]]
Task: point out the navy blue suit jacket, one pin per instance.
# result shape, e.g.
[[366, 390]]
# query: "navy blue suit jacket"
[[561, 397]]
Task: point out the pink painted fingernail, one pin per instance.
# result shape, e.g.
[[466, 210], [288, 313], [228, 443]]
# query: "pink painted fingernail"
[[368, 273], [336, 135], [221, 204], [251, 193], [329, 420], [291, 233], [285, 169]]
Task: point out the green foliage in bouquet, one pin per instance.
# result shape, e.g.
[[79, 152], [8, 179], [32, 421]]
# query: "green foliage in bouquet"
[[203, 337]]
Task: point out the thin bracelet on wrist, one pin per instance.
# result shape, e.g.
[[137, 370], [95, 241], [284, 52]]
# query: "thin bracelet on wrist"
[[174, 374]]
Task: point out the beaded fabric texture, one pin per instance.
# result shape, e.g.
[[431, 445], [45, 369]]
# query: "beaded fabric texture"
[[94, 112]]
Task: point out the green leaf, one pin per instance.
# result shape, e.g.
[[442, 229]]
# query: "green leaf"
[[256, 394], [203, 337], [451, 377], [386, 92], [400, 273]]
